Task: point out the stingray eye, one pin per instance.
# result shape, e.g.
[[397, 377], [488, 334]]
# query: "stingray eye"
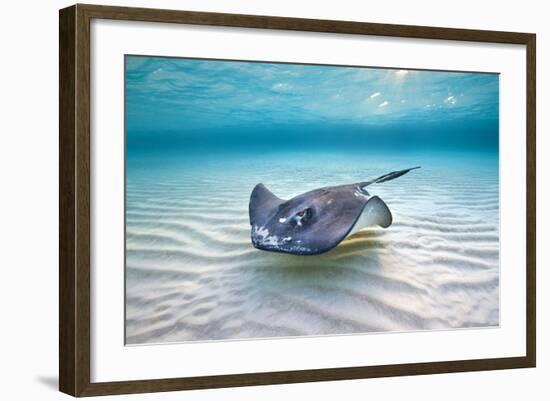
[[302, 216]]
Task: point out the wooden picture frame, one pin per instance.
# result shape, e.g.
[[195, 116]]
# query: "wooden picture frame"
[[74, 200]]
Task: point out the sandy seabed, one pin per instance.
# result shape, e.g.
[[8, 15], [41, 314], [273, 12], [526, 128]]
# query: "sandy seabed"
[[193, 275]]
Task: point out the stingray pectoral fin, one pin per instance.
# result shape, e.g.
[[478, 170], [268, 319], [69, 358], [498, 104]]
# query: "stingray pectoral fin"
[[262, 204], [379, 212], [375, 213]]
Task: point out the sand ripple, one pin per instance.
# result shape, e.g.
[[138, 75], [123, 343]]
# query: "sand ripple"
[[192, 274]]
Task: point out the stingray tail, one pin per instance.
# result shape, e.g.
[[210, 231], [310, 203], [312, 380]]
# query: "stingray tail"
[[387, 177]]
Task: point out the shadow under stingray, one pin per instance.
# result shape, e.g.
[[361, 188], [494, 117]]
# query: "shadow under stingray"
[[359, 251], [300, 292]]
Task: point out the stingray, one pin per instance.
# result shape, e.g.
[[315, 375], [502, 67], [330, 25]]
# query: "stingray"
[[316, 221]]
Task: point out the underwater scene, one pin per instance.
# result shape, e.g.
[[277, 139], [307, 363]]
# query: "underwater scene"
[[269, 200]]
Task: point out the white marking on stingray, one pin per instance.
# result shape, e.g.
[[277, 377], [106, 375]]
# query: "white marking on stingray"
[[282, 219], [299, 249], [264, 238], [359, 193], [261, 232], [298, 219], [272, 240]]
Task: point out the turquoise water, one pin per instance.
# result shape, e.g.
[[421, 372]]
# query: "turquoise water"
[[201, 134], [177, 104]]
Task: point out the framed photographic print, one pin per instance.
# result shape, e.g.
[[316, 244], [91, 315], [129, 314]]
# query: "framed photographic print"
[[250, 200]]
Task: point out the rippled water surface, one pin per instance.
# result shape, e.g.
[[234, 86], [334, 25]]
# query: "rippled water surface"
[[193, 275]]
